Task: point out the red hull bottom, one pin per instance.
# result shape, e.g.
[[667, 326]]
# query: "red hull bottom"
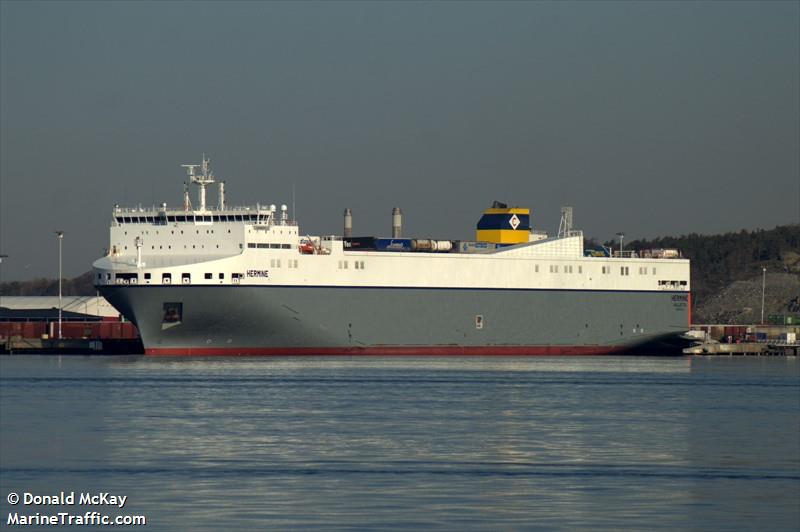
[[445, 350]]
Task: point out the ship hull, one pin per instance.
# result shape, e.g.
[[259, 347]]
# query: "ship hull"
[[318, 320]]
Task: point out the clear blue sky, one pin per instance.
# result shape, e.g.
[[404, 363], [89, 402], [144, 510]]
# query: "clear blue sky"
[[652, 118]]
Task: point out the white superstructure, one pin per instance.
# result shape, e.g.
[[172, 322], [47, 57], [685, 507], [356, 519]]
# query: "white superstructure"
[[259, 245]]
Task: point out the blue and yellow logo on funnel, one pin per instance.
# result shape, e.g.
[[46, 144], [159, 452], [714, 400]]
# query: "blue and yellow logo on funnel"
[[504, 225]]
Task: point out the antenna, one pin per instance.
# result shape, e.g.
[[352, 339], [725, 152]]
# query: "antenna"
[[190, 170], [206, 178], [187, 203], [565, 225]]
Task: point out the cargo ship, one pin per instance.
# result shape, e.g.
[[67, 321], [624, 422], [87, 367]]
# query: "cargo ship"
[[221, 280]]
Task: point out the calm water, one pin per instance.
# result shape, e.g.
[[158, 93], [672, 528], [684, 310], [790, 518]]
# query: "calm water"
[[446, 443]]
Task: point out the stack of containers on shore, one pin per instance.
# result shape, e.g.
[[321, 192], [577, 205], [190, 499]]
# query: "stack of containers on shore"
[[102, 330]]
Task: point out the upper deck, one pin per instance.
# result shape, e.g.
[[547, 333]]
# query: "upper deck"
[[258, 215], [222, 244]]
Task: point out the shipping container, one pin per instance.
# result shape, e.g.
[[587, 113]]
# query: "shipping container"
[[424, 244], [359, 243], [393, 244], [735, 331], [664, 253], [468, 246], [70, 330]]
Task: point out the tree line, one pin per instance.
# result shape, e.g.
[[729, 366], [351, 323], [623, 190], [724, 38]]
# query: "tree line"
[[719, 260], [78, 286]]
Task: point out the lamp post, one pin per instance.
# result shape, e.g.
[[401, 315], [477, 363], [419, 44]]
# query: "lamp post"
[[621, 236], [60, 235], [1, 271], [763, 286]]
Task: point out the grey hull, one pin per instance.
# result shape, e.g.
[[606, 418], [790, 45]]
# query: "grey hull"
[[351, 320]]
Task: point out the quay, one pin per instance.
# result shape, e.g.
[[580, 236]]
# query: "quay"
[[88, 326], [744, 340], [749, 348], [76, 346]]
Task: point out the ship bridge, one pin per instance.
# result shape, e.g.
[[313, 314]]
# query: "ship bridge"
[[162, 237]]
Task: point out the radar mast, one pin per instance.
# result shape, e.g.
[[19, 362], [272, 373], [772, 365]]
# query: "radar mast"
[[202, 180]]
